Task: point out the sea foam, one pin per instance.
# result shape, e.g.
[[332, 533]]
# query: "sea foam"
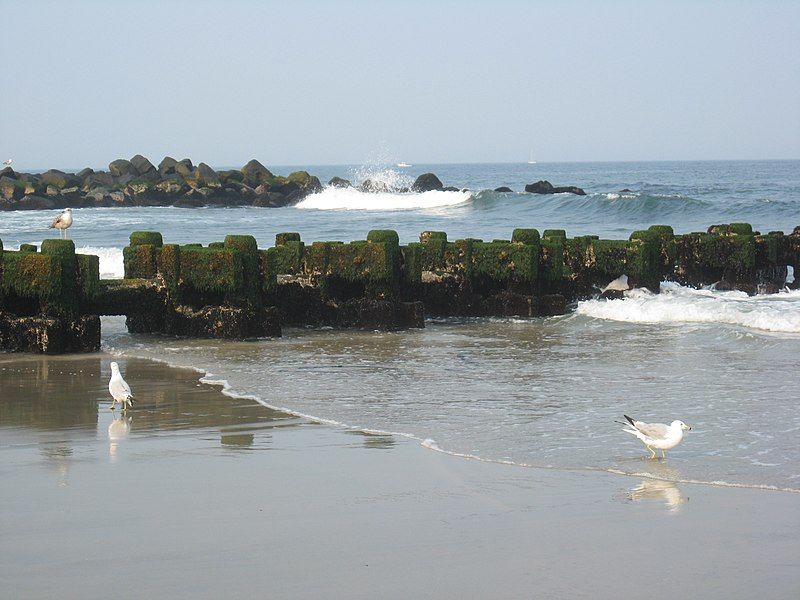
[[333, 198], [111, 263], [677, 304]]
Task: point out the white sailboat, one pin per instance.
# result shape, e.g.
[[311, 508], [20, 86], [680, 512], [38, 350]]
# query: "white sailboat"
[[404, 165], [530, 160]]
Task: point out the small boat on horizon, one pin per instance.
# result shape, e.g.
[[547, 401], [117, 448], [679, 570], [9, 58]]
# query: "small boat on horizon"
[[404, 165], [530, 160]]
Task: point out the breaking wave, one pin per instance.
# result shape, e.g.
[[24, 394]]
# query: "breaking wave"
[[333, 198], [111, 263], [677, 304]]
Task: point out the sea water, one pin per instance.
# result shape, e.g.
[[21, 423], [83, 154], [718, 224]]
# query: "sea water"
[[528, 392]]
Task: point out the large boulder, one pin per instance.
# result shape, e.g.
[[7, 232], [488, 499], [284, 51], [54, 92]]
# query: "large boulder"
[[171, 185], [8, 172], [256, 174], [184, 167], [84, 173], [142, 165], [308, 183], [203, 176], [230, 175], [35, 203], [100, 179], [545, 187], [373, 187], [122, 167], [339, 182], [503, 189], [167, 166], [427, 182], [59, 179], [11, 189]]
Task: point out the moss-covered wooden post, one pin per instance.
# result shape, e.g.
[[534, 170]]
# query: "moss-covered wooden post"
[[62, 296], [551, 261], [433, 244], [169, 269], [246, 248], [383, 276], [645, 260], [1, 275], [141, 257]]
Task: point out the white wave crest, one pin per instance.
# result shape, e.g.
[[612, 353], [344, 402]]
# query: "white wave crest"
[[111, 264], [676, 304], [332, 198]]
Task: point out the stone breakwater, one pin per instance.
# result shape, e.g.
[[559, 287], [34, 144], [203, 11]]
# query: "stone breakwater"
[[137, 182], [51, 299]]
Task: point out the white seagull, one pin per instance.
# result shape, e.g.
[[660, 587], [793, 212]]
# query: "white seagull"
[[8, 162], [119, 389], [657, 435], [62, 222]]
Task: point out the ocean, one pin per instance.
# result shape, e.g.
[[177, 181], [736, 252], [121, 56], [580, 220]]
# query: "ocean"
[[527, 392]]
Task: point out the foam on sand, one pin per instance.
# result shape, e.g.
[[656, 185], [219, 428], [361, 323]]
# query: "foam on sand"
[[677, 304], [332, 198]]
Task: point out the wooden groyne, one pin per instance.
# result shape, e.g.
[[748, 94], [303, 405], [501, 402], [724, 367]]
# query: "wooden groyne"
[[51, 299]]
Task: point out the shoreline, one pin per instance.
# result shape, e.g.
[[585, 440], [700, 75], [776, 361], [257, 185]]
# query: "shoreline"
[[302, 510]]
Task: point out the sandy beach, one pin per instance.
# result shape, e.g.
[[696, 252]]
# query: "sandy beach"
[[201, 495]]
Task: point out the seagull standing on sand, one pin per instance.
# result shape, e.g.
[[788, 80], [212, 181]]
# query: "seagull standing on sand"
[[656, 435], [62, 222], [119, 389]]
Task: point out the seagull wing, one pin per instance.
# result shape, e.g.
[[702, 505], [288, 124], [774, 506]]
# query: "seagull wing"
[[56, 221], [655, 431], [119, 388]]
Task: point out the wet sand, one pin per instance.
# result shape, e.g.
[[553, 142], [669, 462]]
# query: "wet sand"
[[197, 495]]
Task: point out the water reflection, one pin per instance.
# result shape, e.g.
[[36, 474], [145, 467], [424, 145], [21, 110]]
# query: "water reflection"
[[657, 490], [663, 490], [118, 430], [62, 404]]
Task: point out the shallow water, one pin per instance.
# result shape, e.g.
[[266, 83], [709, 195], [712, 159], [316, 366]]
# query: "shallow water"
[[541, 392]]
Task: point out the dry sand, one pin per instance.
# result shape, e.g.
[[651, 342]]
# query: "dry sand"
[[207, 496]]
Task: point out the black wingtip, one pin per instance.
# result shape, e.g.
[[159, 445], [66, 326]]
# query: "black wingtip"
[[627, 418]]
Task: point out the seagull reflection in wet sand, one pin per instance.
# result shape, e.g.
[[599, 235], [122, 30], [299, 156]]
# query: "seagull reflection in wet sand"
[[663, 489], [118, 430], [659, 490]]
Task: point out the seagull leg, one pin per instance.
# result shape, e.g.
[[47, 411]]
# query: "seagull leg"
[[663, 454], [652, 452]]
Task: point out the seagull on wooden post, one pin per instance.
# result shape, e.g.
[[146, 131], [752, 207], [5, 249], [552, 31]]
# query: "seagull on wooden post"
[[119, 389], [62, 222]]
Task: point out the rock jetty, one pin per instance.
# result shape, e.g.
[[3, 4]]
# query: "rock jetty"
[[51, 299], [137, 182], [181, 183]]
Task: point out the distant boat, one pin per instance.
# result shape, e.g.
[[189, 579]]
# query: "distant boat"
[[403, 165], [8, 162], [530, 160]]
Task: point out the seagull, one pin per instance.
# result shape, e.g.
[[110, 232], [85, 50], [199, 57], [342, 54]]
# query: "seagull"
[[7, 162], [62, 222], [120, 391], [656, 435]]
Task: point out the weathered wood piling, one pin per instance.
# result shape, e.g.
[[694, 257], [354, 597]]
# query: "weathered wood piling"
[[51, 299]]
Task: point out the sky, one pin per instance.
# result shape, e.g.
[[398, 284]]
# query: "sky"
[[312, 83]]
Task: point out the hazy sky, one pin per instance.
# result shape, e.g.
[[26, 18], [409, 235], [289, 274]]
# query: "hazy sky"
[[348, 82]]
